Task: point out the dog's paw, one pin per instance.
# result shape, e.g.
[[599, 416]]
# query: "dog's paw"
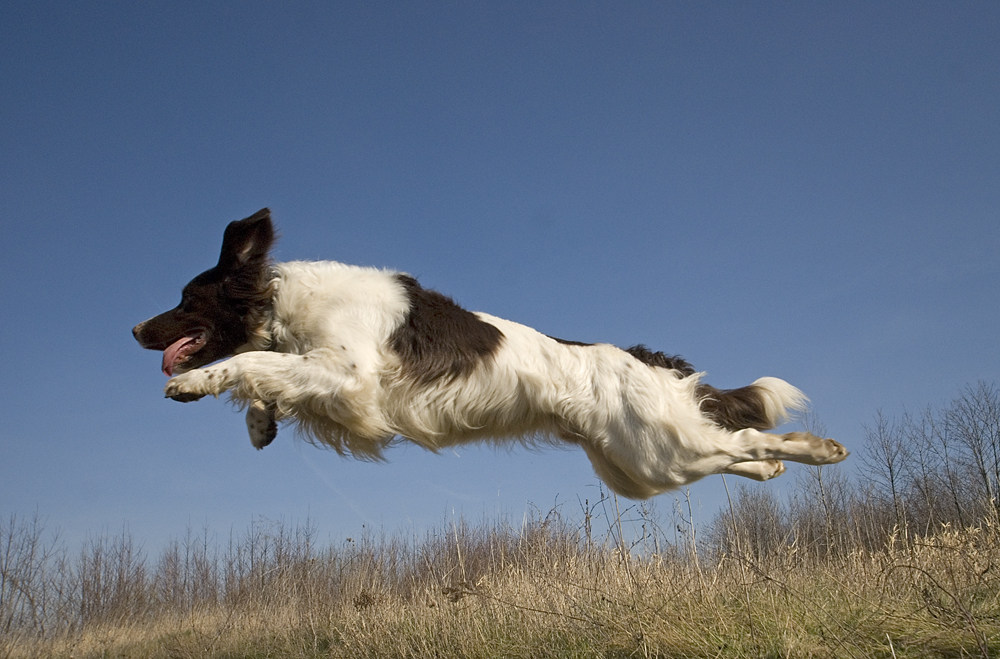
[[758, 470], [261, 424], [189, 387], [771, 469], [820, 451], [835, 451]]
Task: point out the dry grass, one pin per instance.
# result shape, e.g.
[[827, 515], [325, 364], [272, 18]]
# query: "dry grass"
[[541, 590], [836, 571]]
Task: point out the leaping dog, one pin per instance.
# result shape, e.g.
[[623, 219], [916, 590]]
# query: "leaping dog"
[[360, 356]]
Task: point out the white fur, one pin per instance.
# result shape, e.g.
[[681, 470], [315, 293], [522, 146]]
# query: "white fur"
[[329, 368]]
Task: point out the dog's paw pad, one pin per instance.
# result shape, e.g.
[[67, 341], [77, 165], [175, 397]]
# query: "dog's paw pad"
[[185, 397], [835, 450], [267, 436], [774, 469]]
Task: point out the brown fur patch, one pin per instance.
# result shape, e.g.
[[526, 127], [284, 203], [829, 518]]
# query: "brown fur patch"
[[661, 359], [439, 338], [733, 409]]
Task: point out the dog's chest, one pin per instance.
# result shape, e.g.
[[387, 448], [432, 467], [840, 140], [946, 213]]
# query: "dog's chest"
[[331, 305]]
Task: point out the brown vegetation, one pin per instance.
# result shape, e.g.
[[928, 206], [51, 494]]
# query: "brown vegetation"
[[901, 561]]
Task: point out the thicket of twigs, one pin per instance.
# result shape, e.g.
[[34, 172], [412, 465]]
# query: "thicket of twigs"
[[900, 560]]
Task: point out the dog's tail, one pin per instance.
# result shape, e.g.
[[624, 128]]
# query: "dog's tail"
[[766, 403]]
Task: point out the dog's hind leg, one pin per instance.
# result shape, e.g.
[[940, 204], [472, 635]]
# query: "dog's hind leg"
[[750, 445], [758, 455]]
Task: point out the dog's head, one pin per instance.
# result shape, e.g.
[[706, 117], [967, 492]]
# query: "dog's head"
[[221, 308]]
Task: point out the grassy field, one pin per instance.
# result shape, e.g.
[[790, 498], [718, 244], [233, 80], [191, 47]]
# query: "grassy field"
[[543, 589], [902, 559]]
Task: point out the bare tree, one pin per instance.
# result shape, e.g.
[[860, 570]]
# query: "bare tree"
[[883, 462], [974, 418], [937, 469]]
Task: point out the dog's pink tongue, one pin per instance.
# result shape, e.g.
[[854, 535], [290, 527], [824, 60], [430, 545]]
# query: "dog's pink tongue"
[[176, 352]]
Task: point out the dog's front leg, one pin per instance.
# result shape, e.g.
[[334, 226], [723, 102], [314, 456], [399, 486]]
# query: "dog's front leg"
[[324, 384], [214, 380], [267, 376]]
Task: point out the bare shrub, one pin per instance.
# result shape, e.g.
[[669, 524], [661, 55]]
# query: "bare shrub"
[[29, 595], [112, 580]]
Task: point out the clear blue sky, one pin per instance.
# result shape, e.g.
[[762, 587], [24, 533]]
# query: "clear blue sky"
[[806, 190]]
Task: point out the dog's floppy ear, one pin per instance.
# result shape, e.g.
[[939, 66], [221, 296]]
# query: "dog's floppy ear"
[[247, 241]]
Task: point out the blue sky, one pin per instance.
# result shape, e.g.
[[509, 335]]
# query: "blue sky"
[[806, 190]]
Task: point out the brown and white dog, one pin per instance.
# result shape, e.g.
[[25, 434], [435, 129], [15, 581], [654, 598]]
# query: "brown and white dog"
[[359, 356]]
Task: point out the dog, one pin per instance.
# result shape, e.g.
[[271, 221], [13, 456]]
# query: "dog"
[[358, 357]]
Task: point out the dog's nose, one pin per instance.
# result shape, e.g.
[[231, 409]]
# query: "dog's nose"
[[136, 330]]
